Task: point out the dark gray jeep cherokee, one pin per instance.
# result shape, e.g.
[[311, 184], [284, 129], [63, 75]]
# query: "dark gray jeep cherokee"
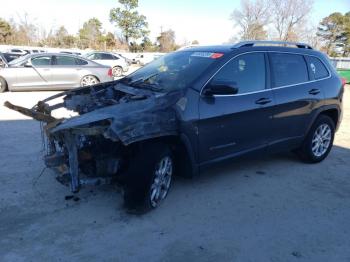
[[190, 109]]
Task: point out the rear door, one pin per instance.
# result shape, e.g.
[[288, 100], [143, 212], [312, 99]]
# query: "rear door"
[[35, 76], [234, 124], [66, 71], [296, 96]]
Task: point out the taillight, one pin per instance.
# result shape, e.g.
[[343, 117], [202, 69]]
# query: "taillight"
[[110, 73]]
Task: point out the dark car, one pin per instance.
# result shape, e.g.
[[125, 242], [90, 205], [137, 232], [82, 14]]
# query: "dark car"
[[6, 58], [191, 109]]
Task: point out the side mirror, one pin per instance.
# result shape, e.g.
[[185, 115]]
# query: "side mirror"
[[28, 64], [220, 88]]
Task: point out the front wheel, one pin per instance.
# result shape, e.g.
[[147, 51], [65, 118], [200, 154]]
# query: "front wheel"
[[89, 81], [319, 141], [149, 177]]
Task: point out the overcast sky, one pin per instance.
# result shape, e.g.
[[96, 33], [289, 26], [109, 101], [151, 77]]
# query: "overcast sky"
[[205, 21]]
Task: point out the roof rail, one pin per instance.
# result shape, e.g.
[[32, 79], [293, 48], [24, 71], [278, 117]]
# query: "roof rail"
[[270, 43]]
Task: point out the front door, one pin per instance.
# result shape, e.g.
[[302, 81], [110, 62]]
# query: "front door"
[[35, 76], [234, 124]]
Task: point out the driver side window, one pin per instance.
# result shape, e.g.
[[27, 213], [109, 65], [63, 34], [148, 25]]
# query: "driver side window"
[[245, 72]]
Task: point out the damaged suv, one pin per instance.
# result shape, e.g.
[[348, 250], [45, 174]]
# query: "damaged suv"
[[190, 109]]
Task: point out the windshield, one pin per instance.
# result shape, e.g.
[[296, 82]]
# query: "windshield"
[[19, 60], [173, 71]]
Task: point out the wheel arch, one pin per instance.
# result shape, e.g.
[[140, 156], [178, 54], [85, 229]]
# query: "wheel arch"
[[182, 149], [332, 111]]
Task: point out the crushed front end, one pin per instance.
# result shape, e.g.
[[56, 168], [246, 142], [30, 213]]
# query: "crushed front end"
[[93, 146]]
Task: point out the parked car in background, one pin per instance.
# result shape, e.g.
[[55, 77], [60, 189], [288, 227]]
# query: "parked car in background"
[[52, 71], [5, 58], [18, 51], [128, 60], [118, 64], [143, 59], [71, 53]]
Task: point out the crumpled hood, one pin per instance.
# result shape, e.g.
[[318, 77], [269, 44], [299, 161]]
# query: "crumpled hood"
[[133, 120]]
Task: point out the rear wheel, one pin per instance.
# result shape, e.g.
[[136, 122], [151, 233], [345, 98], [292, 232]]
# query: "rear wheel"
[[117, 71], [319, 141], [3, 85], [89, 80], [149, 177]]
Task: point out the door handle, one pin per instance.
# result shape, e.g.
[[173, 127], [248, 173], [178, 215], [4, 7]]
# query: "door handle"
[[263, 101], [314, 91]]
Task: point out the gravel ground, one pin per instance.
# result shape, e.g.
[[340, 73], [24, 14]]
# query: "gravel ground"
[[274, 208]]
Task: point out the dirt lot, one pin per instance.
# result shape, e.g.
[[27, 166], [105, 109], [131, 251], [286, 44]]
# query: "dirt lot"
[[269, 209]]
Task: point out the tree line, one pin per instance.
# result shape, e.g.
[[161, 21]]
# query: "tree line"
[[289, 20], [285, 20], [133, 26]]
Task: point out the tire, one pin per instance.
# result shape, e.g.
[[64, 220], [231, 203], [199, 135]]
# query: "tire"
[[149, 177], [319, 141], [89, 80], [3, 85], [117, 71]]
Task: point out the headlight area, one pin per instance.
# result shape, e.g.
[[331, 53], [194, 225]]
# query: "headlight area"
[[84, 156]]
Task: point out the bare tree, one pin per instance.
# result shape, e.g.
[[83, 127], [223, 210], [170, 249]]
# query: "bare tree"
[[166, 41], [252, 18], [290, 17], [27, 30]]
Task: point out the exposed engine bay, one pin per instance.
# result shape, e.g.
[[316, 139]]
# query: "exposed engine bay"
[[93, 146]]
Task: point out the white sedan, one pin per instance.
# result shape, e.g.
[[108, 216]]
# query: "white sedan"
[[118, 64]]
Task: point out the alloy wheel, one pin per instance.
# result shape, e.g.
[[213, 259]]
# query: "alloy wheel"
[[321, 140], [89, 81], [162, 180], [117, 71]]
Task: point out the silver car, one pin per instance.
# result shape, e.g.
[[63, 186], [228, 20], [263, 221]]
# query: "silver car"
[[117, 62], [52, 72]]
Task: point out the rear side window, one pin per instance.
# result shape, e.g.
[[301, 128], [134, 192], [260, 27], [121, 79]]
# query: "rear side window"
[[288, 69], [246, 72], [65, 60], [105, 56], [115, 57], [316, 68], [95, 56]]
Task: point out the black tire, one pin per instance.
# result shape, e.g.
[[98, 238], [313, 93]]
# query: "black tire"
[[141, 176], [306, 152], [3, 85]]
